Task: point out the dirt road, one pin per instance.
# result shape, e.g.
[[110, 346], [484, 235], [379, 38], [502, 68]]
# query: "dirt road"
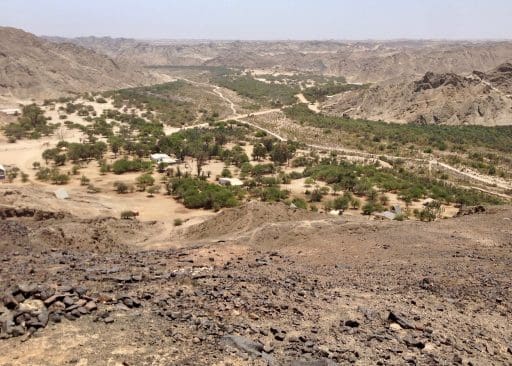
[[480, 178]]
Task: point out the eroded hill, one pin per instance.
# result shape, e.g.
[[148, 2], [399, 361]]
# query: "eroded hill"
[[368, 61], [483, 98], [31, 67]]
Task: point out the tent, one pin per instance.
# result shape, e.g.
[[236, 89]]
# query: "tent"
[[61, 194]]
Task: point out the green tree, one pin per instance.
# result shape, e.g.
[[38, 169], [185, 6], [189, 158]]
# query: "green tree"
[[144, 181], [259, 152]]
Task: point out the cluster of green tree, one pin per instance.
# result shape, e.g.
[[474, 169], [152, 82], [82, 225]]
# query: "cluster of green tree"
[[159, 99], [430, 212], [437, 136], [486, 163], [137, 165], [361, 180], [75, 152], [343, 202], [304, 78], [261, 92], [48, 102], [32, 124], [204, 144], [320, 92], [215, 70], [79, 108], [197, 193], [53, 175]]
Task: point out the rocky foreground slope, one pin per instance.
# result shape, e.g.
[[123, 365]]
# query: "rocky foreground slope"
[[483, 98], [335, 294], [31, 67]]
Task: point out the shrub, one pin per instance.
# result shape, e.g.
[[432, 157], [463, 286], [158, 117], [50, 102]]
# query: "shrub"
[[121, 187], [178, 222], [355, 203], [369, 208], [129, 214], [153, 190], [341, 203], [92, 189], [226, 173], [59, 178], [144, 181], [273, 194], [84, 181], [197, 193], [124, 165], [316, 195], [300, 203], [400, 217]]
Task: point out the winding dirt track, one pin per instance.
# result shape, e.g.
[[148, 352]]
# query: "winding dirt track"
[[480, 178]]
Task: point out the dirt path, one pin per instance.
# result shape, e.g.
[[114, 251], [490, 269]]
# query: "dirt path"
[[487, 180], [315, 107]]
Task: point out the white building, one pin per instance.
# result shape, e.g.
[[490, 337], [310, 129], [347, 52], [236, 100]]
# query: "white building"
[[235, 182], [11, 111], [163, 158], [2, 172]]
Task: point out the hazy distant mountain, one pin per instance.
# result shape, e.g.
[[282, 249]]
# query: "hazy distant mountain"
[[370, 61], [448, 98], [31, 67]]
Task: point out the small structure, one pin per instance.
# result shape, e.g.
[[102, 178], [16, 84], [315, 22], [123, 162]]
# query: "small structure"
[[2, 172], [163, 158], [235, 182], [336, 212], [61, 194], [386, 215], [11, 111], [396, 209]]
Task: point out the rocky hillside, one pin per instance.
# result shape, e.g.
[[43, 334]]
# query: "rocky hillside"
[[82, 291], [447, 98], [371, 61], [31, 67]]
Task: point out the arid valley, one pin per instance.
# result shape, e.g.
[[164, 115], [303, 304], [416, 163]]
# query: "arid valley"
[[226, 202]]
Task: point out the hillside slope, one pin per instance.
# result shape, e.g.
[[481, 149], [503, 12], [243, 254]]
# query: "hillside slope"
[[448, 98], [31, 67], [363, 61]]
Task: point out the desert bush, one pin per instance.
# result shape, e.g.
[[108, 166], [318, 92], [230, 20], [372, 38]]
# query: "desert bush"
[[129, 214], [121, 187], [92, 189], [59, 178], [144, 181], [273, 194], [153, 190], [300, 203], [226, 173], [84, 181], [197, 193], [124, 165]]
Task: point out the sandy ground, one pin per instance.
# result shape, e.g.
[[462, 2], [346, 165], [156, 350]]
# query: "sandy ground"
[[315, 107]]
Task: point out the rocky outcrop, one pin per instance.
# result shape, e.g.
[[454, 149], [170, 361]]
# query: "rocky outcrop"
[[31, 67], [483, 98]]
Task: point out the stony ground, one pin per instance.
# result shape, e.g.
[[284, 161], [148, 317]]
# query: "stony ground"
[[348, 293]]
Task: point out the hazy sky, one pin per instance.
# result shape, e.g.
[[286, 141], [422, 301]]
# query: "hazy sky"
[[263, 19]]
